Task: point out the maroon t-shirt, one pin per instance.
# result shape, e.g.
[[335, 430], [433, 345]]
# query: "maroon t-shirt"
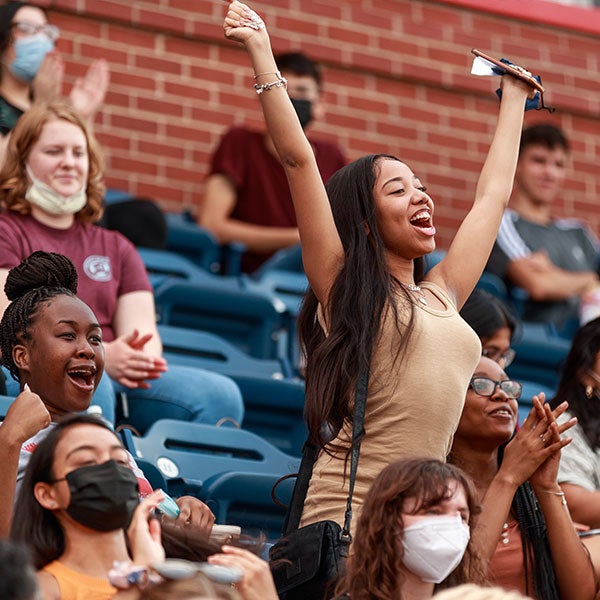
[[108, 265], [263, 194]]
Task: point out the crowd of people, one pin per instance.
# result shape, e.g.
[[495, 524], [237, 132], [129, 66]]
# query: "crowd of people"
[[453, 497]]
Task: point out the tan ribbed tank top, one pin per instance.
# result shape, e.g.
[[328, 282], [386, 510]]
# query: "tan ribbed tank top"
[[414, 404]]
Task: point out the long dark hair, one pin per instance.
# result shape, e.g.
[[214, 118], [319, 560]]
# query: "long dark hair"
[[581, 359], [362, 290], [375, 566], [33, 525]]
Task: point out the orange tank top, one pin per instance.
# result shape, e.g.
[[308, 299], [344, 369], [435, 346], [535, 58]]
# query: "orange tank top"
[[78, 586]]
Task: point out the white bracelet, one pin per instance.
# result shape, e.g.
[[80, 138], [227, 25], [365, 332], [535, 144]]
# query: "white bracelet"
[[561, 494]]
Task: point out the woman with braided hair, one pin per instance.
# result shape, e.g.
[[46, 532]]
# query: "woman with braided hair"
[[525, 529], [51, 190], [51, 343]]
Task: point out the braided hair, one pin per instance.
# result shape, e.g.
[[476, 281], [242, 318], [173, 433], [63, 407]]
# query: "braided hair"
[[537, 558], [40, 277]]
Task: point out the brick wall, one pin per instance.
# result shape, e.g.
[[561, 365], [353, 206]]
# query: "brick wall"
[[396, 80]]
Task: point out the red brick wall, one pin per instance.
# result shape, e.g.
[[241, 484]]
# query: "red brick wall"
[[396, 80]]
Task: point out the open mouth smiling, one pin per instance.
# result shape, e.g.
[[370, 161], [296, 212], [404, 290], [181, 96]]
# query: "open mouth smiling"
[[503, 411], [83, 375]]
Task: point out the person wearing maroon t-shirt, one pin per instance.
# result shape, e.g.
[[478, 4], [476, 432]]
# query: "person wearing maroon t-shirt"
[[51, 189], [246, 197]]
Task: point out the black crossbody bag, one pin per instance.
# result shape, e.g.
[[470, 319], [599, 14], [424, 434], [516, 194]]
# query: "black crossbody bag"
[[307, 562]]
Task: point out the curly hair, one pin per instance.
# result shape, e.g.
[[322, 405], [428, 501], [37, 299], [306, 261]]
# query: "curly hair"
[[374, 570], [41, 276], [13, 175]]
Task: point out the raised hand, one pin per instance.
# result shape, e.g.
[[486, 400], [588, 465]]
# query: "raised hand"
[[89, 91], [144, 532], [47, 84], [241, 23]]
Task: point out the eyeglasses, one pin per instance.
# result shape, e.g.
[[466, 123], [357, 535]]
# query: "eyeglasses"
[[50, 31], [496, 355], [484, 386]]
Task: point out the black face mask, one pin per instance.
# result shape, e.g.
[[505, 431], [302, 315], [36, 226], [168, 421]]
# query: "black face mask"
[[103, 497], [303, 109]]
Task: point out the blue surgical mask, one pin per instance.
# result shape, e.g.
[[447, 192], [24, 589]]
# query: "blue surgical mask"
[[30, 51]]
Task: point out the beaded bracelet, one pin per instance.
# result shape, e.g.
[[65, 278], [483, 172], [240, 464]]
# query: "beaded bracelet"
[[561, 494], [281, 82]]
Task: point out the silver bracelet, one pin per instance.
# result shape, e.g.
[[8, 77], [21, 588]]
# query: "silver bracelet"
[[267, 73], [281, 82]]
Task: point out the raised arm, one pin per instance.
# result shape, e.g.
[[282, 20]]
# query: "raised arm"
[[459, 271], [322, 251]]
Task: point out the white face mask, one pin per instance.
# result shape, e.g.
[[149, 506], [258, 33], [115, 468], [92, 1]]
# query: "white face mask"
[[434, 547], [50, 201]]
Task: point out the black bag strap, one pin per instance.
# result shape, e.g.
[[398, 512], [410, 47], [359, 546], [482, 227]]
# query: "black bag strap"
[[309, 456], [360, 404], [294, 513]]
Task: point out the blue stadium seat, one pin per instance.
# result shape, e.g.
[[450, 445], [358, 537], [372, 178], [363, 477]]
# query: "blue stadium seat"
[[245, 499], [201, 247], [274, 403], [189, 454], [286, 259], [163, 265], [289, 287], [539, 355], [5, 402], [254, 321], [493, 285], [210, 351], [530, 389]]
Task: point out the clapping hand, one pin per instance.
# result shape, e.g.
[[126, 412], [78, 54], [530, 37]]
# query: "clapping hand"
[[537, 441], [89, 91], [128, 363], [48, 81]]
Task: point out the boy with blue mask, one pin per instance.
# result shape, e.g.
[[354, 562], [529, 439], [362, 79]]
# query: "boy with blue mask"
[[246, 195]]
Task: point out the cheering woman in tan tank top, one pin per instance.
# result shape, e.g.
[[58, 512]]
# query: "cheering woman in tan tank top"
[[363, 238]]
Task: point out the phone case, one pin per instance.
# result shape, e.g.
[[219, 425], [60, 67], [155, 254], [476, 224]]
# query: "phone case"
[[514, 70]]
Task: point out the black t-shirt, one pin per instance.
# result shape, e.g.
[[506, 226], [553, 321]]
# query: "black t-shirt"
[[9, 115], [569, 245]]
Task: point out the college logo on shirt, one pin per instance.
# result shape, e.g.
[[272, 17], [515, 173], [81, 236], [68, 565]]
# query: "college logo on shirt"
[[97, 267]]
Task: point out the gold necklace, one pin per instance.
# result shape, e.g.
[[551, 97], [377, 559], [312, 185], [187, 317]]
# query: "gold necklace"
[[420, 295]]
